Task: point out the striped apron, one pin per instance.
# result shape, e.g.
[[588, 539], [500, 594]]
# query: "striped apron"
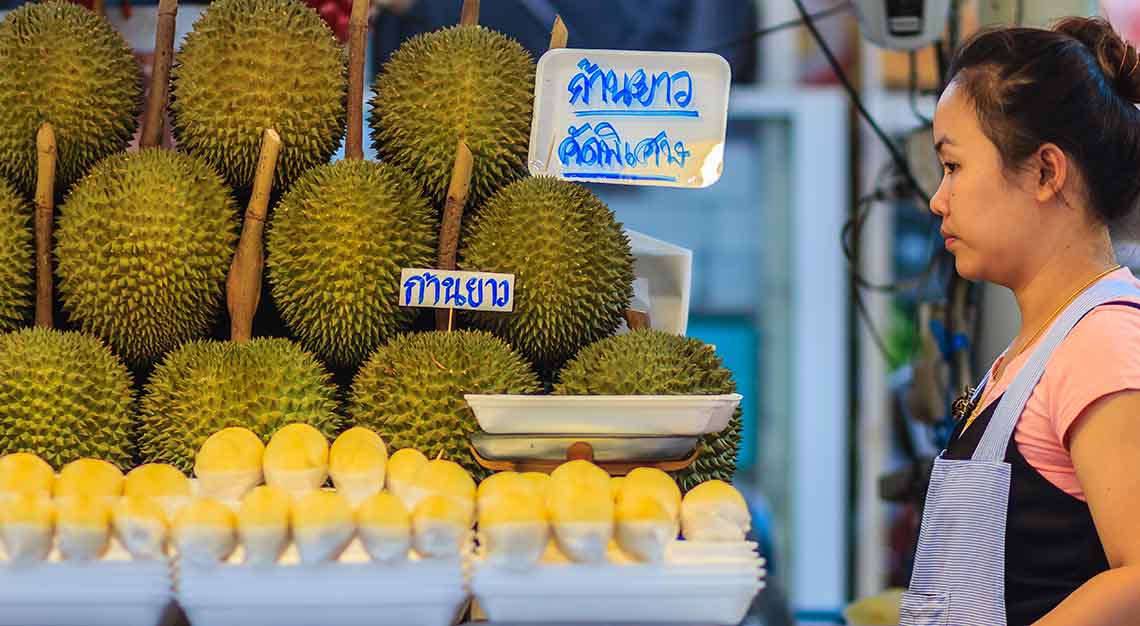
[[959, 568]]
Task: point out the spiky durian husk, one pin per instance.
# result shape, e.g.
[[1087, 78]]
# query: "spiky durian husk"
[[462, 82], [336, 245], [249, 65], [410, 391], [64, 396], [652, 362], [572, 263], [17, 259], [143, 244], [63, 64], [206, 386]]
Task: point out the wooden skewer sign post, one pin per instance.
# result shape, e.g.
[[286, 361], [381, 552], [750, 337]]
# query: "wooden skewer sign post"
[[45, 207]]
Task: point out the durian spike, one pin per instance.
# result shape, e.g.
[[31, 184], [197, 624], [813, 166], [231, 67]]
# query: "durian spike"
[[243, 285], [457, 192], [45, 206], [558, 33], [357, 42], [152, 130], [469, 15]]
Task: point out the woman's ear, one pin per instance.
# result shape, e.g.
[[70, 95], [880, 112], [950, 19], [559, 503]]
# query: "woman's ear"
[[1051, 170]]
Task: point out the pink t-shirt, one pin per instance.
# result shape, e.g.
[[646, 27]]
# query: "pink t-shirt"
[[1100, 356]]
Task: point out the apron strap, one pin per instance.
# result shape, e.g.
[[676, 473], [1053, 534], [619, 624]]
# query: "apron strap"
[[995, 440]]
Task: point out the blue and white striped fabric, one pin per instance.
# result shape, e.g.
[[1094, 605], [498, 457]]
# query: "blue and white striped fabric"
[[959, 570]]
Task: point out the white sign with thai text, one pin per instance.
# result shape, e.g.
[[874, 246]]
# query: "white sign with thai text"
[[444, 289]]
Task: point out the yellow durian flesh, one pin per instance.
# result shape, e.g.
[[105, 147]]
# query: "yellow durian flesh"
[[502, 483], [27, 527], [263, 521], [644, 527], [83, 527], [384, 527], [513, 528], [23, 472], [297, 459], [615, 486], [141, 525], [439, 526], [229, 463], [715, 511], [581, 472], [582, 518], [539, 482], [440, 477], [323, 525], [205, 532], [164, 483], [403, 466], [357, 463], [92, 477]]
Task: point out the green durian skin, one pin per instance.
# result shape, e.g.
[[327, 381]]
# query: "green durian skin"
[[652, 362], [143, 246], [411, 390], [63, 64], [64, 396], [249, 65], [205, 386], [465, 83], [17, 259], [336, 245], [572, 263]]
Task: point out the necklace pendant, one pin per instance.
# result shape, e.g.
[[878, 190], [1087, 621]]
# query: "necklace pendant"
[[963, 405]]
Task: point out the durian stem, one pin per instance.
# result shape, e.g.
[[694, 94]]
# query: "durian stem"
[[636, 320], [457, 191], [469, 15], [357, 42], [243, 285], [558, 34], [152, 131], [99, 7], [45, 206]]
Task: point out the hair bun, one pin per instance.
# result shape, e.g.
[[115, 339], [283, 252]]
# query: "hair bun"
[[1118, 59]]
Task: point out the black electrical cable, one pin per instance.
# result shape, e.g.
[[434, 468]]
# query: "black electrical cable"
[[768, 30]]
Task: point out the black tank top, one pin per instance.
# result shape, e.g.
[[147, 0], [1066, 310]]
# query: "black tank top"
[[1051, 544]]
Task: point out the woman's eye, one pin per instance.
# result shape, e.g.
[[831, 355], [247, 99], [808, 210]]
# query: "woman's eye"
[[949, 168]]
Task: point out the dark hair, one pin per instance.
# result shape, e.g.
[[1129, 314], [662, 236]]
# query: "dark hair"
[[1074, 86]]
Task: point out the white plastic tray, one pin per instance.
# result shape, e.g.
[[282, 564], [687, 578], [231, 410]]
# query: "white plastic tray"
[[113, 591], [602, 415], [353, 591], [699, 583]]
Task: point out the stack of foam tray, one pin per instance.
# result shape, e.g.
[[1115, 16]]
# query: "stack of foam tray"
[[112, 591], [698, 583], [350, 591]]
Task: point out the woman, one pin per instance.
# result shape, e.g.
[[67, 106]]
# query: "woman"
[[1033, 512]]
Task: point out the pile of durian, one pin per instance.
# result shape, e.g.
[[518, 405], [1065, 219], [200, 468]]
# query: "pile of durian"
[[265, 497], [136, 371]]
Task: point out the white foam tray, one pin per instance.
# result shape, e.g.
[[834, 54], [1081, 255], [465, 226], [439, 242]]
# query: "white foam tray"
[[113, 591], [603, 415], [699, 583], [353, 591]]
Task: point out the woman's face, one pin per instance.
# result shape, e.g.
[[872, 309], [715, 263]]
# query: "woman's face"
[[987, 219]]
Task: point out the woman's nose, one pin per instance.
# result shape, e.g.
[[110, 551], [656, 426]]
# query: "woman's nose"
[[939, 204]]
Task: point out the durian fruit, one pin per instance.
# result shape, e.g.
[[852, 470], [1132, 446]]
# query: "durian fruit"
[[615, 486], [582, 517], [23, 472], [572, 262], [143, 245], [263, 524], [17, 261], [513, 526], [141, 525], [63, 64], [89, 477], [440, 477], [715, 511], [161, 482], [227, 87], [323, 526], [384, 527], [403, 466], [644, 527], [357, 460], [498, 484], [336, 244], [581, 472], [229, 463], [204, 386], [64, 395], [27, 527], [297, 459], [205, 532], [656, 484], [652, 362], [539, 482], [410, 391], [435, 90], [440, 526], [83, 527]]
